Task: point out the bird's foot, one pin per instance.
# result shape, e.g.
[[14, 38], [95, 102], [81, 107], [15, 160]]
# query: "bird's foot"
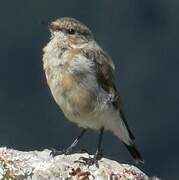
[[67, 151], [55, 152], [91, 160]]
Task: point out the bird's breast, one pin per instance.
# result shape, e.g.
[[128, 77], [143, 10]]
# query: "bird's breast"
[[73, 92], [74, 98], [74, 86]]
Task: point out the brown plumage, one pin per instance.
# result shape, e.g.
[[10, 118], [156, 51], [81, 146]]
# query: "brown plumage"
[[105, 79], [80, 76]]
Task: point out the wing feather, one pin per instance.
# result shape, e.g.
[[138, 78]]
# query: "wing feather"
[[105, 77]]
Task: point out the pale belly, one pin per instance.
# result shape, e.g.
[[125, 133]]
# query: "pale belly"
[[90, 115], [88, 108], [81, 99]]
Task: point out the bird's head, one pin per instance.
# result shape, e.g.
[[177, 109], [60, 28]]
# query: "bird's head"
[[70, 31]]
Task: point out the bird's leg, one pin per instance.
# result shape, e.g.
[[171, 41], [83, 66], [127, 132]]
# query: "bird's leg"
[[69, 150], [98, 155]]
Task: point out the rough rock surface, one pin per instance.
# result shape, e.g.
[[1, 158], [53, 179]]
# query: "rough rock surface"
[[39, 165]]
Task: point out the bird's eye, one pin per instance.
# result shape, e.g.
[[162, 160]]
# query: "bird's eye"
[[70, 31]]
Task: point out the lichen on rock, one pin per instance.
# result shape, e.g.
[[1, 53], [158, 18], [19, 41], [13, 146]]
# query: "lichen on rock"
[[40, 165]]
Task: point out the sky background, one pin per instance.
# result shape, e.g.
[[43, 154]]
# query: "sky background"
[[141, 37]]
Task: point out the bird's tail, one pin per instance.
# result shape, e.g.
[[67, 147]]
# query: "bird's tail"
[[122, 131], [128, 140], [134, 153]]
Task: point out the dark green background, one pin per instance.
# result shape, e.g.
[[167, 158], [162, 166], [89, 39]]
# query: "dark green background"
[[142, 38]]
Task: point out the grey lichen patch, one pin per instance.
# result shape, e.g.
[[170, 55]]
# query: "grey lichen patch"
[[13, 166], [39, 165], [5, 173]]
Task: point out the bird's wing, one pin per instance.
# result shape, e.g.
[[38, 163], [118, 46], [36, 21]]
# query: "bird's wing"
[[104, 68], [105, 77]]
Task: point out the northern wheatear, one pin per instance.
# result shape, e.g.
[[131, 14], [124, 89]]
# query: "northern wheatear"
[[80, 76]]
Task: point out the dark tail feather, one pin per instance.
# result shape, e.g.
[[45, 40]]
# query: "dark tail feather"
[[135, 153]]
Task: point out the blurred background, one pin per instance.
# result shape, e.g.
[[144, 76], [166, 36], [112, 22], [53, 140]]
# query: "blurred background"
[[142, 38]]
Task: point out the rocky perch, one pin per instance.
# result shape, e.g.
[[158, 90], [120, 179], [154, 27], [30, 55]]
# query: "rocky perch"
[[39, 165]]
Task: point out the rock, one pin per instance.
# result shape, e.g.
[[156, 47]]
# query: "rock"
[[39, 165]]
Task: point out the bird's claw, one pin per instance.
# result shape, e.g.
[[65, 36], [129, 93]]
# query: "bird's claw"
[[91, 160], [55, 152]]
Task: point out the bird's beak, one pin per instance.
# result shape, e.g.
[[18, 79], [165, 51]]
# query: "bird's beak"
[[54, 26], [50, 25]]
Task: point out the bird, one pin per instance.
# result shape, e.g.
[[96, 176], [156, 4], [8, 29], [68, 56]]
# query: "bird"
[[80, 76]]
